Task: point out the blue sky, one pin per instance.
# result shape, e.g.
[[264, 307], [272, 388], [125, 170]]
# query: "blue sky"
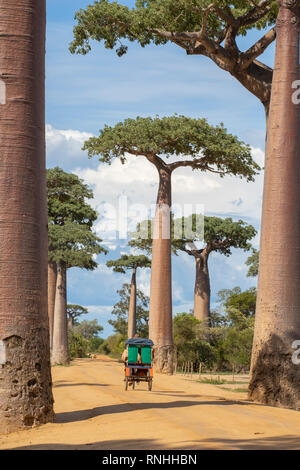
[[86, 92]]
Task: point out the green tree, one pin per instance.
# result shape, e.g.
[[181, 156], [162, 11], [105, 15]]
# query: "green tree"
[[190, 340], [199, 27], [74, 312], [209, 149], [88, 329], [72, 243], [78, 345], [253, 262], [236, 299], [219, 236], [121, 265], [120, 311]]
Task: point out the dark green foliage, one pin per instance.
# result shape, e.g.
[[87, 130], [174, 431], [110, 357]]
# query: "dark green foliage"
[[227, 344], [88, 329], [236, 299], [75, 311], [78, 345], [126, 262], [70, 221], [113, 346], [67, 196], [153, 21], [253, 263], [120, 312], [211, 147], [220, 235], [190, 340]]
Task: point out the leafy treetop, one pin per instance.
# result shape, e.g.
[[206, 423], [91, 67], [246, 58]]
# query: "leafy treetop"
[[120, 312], [74, 245], [220, 235], [253, 263], [196, 143], [129, 262], [67, 196], [201, 27], [75, 311], [70, 221]]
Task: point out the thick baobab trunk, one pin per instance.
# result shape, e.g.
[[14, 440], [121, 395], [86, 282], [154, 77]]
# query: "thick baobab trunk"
[[25, 376], [132, 307], [275, 378], [160, 314], [52, 275], [60, 348], [202, 290]]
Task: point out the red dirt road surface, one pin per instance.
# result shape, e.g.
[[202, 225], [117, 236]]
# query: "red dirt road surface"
[[93, 411]]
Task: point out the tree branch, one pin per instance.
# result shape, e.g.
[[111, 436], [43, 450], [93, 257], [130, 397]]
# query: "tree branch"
[[257, 49]]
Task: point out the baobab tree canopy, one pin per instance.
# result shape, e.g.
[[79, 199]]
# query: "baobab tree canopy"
[[126, 262], [67, 196], [209, 148], [200, 27], [220, 235], [71, 239]]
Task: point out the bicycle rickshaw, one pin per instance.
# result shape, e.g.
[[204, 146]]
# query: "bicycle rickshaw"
[[138, 367]]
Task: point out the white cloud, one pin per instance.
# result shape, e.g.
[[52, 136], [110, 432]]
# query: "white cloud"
[[64, 147]]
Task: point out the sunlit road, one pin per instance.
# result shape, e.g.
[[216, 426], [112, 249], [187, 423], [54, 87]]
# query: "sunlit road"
[[93, 411]]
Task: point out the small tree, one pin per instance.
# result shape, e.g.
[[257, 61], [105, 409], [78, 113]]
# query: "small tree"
[[190, 340], [120, 311], [89, 329], [74, 312], [209, 149], [121, 265], [253, 263]]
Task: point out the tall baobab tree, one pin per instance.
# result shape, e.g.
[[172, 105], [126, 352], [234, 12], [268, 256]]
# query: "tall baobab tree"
[[52, 278], [208, 149], [275, 379], [25, 377], [71, 244], [211, 30], [121, 265], [219, 236]]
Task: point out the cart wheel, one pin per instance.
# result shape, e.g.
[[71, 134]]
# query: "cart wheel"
[[126, 383], [150, 385]]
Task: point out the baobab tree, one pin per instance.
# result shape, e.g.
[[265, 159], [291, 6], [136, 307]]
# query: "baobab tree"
[[25, 377], [199, 27], [74, 312], [212, 29], [215, 234], [220, 236], [208, 148], [72, 243], [121, 265], [52, 278]]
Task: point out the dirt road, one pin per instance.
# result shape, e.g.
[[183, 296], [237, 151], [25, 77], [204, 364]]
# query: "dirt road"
[[94, 412]]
